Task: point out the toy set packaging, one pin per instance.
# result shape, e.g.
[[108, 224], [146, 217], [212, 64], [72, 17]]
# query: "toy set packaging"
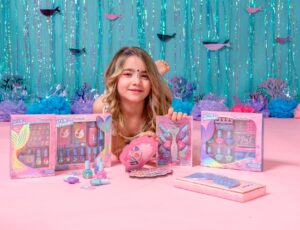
[[32, 150], [81, 138], [175, 147], [41, 144], [232, 140], [221, 186]]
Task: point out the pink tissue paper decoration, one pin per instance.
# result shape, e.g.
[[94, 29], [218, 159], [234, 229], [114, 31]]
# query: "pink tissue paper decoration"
[[242, 108], [138, 152], [297, 112], [274, 87]]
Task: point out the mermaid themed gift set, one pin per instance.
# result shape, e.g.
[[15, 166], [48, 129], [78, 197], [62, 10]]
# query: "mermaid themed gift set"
[[41, 144], [232, 140]]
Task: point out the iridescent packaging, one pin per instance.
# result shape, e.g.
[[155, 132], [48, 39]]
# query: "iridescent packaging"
[[232, 140]]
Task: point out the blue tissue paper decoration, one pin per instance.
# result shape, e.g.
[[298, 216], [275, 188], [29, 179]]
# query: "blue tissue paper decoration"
[[182, 106], [51, 105], [282, 108]]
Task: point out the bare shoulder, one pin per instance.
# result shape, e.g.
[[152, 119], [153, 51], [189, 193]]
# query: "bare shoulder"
[[98, 105]]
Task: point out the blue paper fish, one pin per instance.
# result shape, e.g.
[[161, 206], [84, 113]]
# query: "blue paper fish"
[[77, 51], [215, 45], [50, 12], [165, 37]]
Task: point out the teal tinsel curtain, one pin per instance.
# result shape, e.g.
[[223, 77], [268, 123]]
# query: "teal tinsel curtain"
[[37, 47]]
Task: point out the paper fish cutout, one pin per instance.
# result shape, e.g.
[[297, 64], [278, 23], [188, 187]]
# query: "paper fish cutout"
[[253, 10], [215, 45], [283, 39], [112, 17], [77, 52], [165, 37], [104, 124], [50, 12]]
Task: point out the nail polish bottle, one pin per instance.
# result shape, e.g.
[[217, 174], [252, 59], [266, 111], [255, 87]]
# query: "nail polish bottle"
[[97, 181], [45, 157], [38, 157], [89, 154], [68, 157], [219, 154], [209, 150], [229, 139], [87, 173], [219, 139], [60, 159], [99, 169], [94, 153], [92, 135], [75, 155], [82, 154], [228, 156], [100, 144]]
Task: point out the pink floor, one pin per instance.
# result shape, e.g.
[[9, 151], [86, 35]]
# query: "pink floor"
[[50, 203]]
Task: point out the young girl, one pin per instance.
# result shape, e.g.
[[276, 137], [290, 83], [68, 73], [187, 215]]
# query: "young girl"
[[135, 93]]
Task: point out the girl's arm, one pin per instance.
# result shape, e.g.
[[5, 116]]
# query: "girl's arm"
[[98, 105]]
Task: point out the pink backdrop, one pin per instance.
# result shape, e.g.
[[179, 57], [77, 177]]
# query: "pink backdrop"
[[50, 203]]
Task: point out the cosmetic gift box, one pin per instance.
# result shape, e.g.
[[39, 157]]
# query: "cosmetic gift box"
[[41, 144], [82, 137], [221, 186], [31, 143], [175, 147], [232, 140]]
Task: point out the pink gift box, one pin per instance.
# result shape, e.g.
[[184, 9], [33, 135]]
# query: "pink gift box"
[[41, 144], [232, 140], [31, 146], [175, 147], [221, 186], [82, 137]]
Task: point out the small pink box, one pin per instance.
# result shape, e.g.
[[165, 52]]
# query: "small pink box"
[[32, 149], [221, 186], [175, 147], [232, 140], [82, 137]]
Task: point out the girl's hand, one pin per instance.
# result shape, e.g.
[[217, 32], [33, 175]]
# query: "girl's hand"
[[176, 116], [148, 133]]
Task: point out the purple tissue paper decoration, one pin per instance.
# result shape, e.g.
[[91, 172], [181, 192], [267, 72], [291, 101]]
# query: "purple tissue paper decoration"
[[209, 103], [259, 102], [181, 88], [8, 107], [82, 107], [82, 102], [274, 88]]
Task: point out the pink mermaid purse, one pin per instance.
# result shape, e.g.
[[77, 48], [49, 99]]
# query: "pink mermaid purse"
[[136, 154]]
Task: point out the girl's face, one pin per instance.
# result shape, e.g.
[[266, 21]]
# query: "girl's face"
[[133, 83]]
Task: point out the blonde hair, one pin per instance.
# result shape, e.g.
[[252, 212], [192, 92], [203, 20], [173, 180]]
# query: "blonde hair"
[[156, 103]]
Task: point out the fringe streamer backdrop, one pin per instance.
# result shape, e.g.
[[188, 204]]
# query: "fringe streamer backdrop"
[[37, 47]]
